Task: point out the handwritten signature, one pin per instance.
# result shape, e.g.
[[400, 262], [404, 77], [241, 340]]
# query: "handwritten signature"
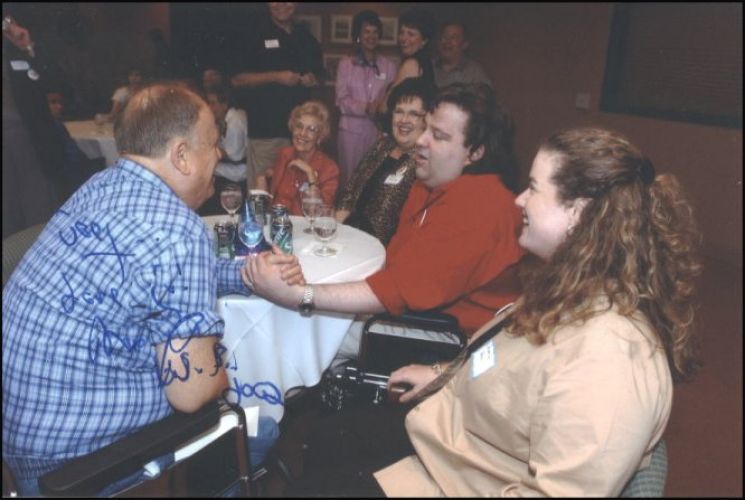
[[81, 230], [266, 391]]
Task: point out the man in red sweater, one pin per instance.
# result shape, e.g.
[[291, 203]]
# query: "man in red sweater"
[[456, 242]]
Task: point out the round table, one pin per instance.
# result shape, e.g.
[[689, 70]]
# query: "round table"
[[273, 349]]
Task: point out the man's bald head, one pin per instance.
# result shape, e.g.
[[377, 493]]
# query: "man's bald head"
[[154, 116]]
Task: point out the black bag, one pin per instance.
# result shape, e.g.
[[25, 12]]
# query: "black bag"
[[430, 337]]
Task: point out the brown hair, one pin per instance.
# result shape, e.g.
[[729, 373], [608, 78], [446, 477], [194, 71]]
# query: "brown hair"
[[634, 244], [154, 116]]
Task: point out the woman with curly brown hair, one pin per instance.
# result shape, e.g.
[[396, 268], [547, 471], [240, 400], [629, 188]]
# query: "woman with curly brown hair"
[[575, 393], [567, 392]]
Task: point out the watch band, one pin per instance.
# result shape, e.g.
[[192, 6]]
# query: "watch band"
[[306, 303]]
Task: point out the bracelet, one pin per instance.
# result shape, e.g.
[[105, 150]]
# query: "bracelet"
[[437, 369]]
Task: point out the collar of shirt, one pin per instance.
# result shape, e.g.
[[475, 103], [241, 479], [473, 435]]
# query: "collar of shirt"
[[360, 60], [133, 168], [458, 67]]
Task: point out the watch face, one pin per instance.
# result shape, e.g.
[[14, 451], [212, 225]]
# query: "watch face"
[[306, 308]]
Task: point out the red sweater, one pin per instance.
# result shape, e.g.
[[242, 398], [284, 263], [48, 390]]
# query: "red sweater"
[[455, 247], [286, 181]]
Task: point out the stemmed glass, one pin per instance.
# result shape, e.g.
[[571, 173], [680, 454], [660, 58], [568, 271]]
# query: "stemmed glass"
[[311, 202], [324, 229], [231, 199]]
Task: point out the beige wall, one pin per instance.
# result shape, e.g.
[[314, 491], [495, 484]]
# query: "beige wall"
[[541, 55]]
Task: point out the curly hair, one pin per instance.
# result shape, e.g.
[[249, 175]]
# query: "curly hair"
[[635, 243], [316, 109]]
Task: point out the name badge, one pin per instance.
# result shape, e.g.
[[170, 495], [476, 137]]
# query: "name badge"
[[395, 178], [19, 65], [271, 44], [380, 76], [483, 359]]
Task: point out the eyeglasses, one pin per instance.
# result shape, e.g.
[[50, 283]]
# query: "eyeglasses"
[[400, 113], [299, 128]]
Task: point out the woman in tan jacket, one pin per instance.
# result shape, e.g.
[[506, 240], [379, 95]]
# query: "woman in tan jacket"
[[572, 396]]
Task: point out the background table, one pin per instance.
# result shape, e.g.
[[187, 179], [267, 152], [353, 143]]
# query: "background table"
[[92, 142], [272, 348]]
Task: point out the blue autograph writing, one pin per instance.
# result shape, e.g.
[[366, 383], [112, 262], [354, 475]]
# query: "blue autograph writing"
[[69, 300], [81, 230], [166, 371], [266, 391], [173, 363], [110, 341]]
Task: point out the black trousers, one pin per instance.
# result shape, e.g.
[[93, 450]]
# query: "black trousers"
[[343, 450]]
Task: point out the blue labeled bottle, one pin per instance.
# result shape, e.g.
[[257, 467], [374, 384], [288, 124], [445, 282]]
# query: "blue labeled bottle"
[[249, 236]]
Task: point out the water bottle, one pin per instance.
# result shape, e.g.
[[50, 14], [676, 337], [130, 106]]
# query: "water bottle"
[[249, 237]]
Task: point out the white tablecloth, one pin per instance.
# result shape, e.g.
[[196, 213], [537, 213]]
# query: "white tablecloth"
[[92, 142], [273, 349]]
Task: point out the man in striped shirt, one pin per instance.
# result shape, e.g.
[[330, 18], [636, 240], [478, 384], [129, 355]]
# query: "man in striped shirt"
[[109, 321]]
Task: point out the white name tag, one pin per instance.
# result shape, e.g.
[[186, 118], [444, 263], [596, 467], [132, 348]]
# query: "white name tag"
[[271, 44], [380, 76], [19, 65], [483, 359], [395, 178]]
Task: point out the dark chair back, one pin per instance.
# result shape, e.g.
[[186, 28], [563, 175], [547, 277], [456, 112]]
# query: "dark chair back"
[[15, 247]]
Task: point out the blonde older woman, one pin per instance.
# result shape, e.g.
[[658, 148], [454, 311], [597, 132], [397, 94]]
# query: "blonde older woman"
[[303, 166]]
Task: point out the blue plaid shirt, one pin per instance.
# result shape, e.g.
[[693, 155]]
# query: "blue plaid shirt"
[[125, 264]]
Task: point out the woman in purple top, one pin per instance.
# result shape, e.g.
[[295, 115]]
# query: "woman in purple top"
[[361, 82]]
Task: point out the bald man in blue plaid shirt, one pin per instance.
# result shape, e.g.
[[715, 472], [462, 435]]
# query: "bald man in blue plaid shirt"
[[109, 321]]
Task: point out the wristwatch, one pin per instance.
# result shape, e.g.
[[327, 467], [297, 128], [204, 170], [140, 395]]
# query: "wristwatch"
[[306, 304]]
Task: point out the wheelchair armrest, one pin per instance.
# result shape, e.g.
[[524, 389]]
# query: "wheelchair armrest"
[[89, 474], [425, 320]]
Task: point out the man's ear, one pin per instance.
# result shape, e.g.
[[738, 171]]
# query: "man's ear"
[[177, 151], [476, 155]]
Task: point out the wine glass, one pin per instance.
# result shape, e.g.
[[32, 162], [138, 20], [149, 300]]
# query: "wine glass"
[[250, 232], [311, 202], [231, 199], [324, 228]]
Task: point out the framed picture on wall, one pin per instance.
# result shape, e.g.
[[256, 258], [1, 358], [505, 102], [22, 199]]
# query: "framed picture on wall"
[[341, 29], [331, 62], [390, 31], [313, 23]]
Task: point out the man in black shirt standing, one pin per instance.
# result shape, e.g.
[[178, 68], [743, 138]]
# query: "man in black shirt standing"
[[283, 61]]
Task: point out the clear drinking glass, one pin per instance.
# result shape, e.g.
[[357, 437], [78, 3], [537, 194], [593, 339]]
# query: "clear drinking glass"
[[311, 203], [324, 229], [231, 199]]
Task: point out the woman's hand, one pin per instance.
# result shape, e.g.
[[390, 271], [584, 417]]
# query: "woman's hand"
[[304, 167], [416, 376]]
